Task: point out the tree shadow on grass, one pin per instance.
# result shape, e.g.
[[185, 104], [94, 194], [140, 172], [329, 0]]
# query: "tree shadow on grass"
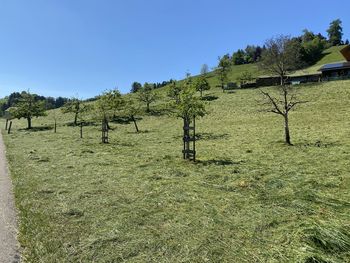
[[125, 120], [317, 144], [160, 112], [209, 98], [221, 162], [211, 136], [139, 132], [85, 123], [37, 129]]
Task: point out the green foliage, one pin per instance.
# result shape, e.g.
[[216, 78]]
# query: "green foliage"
[[174, 92], [108, 104], [189, 104], [238, 57], [335, 32], [28, 107], [201, 84], [147, 95], [245, 77], [135, 87], [312, 50], [312, 46], [222, 69], [76, 107]]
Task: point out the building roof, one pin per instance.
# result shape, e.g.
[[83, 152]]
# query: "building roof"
[[335, 66], [346, 52]]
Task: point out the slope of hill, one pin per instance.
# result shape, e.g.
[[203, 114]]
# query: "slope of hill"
[[249, 198], [330, 55]]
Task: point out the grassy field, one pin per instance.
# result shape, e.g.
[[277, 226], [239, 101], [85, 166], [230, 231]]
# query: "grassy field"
[[249, 198]]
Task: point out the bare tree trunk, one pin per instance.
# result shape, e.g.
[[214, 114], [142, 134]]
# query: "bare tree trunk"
[[9, 129], [76, 119], [201, 93], [133, 119], [29, 120], [148, 110], [286, 129]]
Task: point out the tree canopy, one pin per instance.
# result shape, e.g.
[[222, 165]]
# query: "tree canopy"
[[335, 32], [27, 106]]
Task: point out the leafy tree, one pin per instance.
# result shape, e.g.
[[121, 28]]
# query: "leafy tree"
[[59, 102], [223, 68], [245, 77], [131, 110], [108, 104], [174, 92], [28, 107], [312, 50], [135, 87], [281, 56], [201, 84], [75, 106], [249, 54], [238, 58], [335, 32], [189, 105], [147, 95], [308, 36]]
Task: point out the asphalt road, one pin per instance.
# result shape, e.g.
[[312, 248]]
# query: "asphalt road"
[[9, 248]]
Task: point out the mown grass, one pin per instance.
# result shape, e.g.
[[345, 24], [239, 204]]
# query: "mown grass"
[[249, 198]]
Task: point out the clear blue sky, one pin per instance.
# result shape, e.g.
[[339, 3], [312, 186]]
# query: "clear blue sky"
[[83, 47]]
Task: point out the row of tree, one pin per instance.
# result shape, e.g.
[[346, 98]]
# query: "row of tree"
[[136, 86], [312, 46], [111, 104]]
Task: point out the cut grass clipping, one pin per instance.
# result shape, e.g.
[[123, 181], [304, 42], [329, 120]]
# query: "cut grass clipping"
[[249, 198]]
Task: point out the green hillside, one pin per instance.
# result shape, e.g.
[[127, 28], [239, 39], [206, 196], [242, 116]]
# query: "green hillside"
[[330, 55], [249, 198]]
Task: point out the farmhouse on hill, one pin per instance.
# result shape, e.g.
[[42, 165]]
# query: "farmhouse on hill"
[[339, 70]]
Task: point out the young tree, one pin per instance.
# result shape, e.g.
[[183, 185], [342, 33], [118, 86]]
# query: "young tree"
[[108, 104], [281, 56], [245, 77], [174, 92], [335, 32], [28, 107], [223, 68], [131, 110], [135, 87], [189, 105], [201, 84], [75, 106], [282, 105], [147, 95]]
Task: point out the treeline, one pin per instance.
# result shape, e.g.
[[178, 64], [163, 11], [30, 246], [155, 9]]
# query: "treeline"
[[311, 46], [136, 86], [48, 102]]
